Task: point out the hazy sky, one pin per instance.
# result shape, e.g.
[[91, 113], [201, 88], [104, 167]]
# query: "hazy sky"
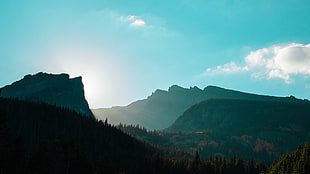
[[124, 50]]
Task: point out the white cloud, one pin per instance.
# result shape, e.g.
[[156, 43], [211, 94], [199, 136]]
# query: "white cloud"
[[279, 61], [138, 22], [230, 67], [147, 25]]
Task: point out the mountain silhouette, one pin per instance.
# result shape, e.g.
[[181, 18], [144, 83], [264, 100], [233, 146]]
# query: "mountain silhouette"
[[55, 89], [162, 108]]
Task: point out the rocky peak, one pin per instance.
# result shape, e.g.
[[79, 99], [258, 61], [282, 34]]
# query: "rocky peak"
[[56, 89], [176, 88]]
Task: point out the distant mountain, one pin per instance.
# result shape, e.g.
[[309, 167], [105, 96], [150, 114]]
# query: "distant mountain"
[[158, 111], [162, 108], [56, 89]]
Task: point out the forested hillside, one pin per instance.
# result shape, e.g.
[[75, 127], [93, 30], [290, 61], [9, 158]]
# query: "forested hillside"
[[236, 116], [297, 162], [263, 130], [40, 138]]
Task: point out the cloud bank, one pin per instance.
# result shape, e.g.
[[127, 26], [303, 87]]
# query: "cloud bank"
[[278, 61]]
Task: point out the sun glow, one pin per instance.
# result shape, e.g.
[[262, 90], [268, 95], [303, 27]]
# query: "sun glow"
[[90, 64], [93, 88], [103, 77], [94, 85]]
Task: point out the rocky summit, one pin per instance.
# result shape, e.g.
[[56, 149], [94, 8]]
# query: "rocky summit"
[[55, 89]]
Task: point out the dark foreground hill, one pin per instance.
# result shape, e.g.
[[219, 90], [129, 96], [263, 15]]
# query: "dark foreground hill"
[[162, 108], [47, 139], [56, 89], [40, 138]]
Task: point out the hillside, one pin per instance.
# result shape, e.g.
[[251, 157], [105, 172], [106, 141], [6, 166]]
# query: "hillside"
[[55, 89], [41, 138], [260, 129], [240, 116], [296, 162], [48, 139]]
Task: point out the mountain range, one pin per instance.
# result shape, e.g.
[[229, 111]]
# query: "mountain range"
[[162, 108], [223, 123], [43, 129], [40, 134]]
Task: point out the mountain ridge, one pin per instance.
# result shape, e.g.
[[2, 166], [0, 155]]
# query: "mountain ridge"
[[162, 107]]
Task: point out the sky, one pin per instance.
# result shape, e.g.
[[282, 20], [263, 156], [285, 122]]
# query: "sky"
[[125, 50]]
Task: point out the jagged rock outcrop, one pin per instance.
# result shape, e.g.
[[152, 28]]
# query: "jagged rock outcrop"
[[55, 89]]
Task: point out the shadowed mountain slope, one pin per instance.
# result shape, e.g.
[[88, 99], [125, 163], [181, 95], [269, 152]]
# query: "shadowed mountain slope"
[[256, 129], [244, 116]]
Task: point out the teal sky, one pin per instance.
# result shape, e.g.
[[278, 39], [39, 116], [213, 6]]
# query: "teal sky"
[[124, 50]]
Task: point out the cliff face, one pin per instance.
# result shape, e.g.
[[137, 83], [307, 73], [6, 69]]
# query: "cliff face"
[[55, 89]]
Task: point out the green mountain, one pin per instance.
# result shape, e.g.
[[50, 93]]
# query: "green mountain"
[[240, 116], [162, 108], [256, 129]]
